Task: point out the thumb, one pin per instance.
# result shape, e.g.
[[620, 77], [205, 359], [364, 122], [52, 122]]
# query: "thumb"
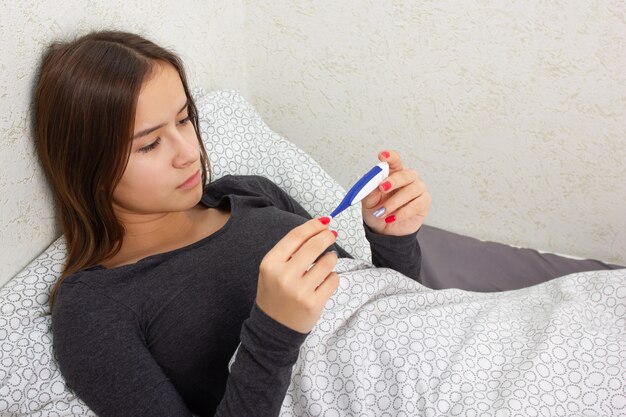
[[372, 200]]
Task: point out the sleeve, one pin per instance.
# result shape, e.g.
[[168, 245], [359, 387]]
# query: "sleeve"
[[280, 197], [102, 356], [401, 253], [261, 373], [285, 202]]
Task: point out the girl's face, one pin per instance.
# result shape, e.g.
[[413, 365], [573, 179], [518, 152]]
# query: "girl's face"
[[163, 172]]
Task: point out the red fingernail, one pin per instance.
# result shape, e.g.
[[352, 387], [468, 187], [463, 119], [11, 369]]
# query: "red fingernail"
[[334, 233], [324, 220], [386, 185], [390, 219], [385, 154]]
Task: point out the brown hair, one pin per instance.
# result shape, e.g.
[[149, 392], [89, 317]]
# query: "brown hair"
[[84, 107]]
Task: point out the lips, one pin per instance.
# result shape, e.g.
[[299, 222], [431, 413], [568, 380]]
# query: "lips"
[[191, 181]]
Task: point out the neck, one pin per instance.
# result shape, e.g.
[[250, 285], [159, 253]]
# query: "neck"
[[149, 234], [156, 227]]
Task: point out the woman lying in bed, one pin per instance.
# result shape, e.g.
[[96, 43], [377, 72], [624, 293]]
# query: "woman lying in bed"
[[183, 295], [167, 271]]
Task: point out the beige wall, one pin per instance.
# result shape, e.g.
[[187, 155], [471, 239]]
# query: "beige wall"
[[207, 35], [515, 114]]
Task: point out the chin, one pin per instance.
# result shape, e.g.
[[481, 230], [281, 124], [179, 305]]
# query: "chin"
[[193, 196]]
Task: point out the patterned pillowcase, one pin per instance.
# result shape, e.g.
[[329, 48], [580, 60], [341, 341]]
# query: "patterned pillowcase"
[[30, 381], [238, 142]]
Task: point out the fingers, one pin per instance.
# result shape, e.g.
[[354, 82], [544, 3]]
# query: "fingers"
[[285, 290], [395, 167], [388, 188], [319, 272], [292, 241], [299, 248], [402, 194], [393, 159], [310, 251], [398, 180], [407, 201], [328, 286], [416, 207]]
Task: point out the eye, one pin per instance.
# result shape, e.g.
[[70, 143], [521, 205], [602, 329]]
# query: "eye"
[[150, 146], [185, 121]]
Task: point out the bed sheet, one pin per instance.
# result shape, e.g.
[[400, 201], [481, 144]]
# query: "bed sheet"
[[453, 260]]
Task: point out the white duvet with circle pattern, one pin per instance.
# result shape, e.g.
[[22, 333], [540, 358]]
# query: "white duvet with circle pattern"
[[388, 346]]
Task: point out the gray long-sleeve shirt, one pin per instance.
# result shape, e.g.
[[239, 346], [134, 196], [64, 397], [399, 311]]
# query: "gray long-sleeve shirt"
[[154, 338]]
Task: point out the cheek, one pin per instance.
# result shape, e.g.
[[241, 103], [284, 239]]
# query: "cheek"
[[140, 182]]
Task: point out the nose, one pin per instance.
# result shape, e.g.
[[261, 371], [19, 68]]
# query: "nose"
[[187, 150]]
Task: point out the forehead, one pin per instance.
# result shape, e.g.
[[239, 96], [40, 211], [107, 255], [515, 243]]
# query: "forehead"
[[161, 96]]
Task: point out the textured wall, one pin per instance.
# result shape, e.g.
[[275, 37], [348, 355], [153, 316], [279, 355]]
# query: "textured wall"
[[514, 112], [515, 115], [207, 35]]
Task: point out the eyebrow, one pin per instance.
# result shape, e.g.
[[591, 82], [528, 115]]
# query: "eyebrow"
[[149, 130]]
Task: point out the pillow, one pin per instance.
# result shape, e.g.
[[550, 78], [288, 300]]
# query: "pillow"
[[30, 381], [238, 142]]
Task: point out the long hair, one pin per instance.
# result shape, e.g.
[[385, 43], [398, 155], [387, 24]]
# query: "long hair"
[[84, 106]]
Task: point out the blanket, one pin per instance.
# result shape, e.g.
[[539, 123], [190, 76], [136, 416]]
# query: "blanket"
[[387, 346]]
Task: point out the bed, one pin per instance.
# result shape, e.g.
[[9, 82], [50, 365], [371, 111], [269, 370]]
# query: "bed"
[[239, 142]]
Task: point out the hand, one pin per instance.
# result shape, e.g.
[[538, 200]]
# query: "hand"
[[404, 197], [288, 291]]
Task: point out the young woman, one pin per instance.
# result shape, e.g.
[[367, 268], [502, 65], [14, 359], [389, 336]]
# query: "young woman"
[[168, 271]]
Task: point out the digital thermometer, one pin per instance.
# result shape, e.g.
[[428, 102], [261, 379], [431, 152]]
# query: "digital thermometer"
[[363, 187]]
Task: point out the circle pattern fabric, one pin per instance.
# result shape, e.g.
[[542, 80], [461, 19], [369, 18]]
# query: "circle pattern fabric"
[[388, 346], [238, 142], [30, 381]]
